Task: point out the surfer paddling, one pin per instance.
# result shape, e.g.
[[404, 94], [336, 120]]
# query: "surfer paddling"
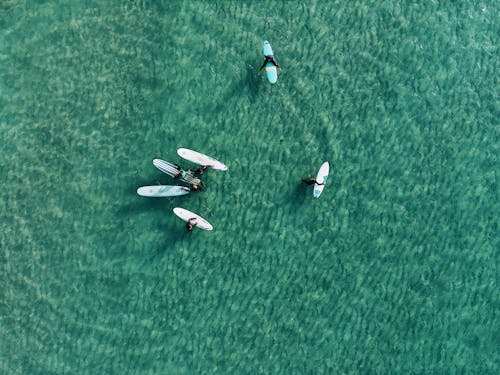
[[191, 223], [271, 59]]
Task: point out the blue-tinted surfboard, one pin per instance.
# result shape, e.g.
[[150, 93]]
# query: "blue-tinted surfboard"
[[271, 71]]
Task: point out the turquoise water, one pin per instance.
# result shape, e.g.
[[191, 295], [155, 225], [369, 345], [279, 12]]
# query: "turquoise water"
[[392, 270]]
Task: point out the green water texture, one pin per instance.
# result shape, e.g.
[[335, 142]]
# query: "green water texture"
[[392, 270]]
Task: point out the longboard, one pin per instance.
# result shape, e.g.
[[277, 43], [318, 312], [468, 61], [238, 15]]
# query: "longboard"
[[271, 71], [202, 159], [186, 215], [321, 177], [162, 191]]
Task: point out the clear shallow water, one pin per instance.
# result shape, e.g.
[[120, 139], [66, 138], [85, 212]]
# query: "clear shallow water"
[[391, 270]]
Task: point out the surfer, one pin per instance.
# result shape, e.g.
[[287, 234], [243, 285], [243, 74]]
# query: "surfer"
[[201, 170], [271, 59], [191, 223], [311, 181], [195, 187]]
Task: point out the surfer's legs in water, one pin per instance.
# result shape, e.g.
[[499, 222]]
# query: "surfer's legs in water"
[[309, 181], [272, 60]]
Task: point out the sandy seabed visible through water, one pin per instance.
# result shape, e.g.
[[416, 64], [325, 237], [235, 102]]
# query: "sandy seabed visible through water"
[[392, 270]]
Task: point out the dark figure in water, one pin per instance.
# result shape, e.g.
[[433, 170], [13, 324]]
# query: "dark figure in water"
[[196, 187], [191, 223], [271, 59], [201, 170], [311, 181]]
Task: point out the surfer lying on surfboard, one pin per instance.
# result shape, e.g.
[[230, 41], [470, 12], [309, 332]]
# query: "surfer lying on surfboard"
[[271, 59], [311, 181], [186, 175]]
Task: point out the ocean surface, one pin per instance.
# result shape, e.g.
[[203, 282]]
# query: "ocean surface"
[[392, 271]]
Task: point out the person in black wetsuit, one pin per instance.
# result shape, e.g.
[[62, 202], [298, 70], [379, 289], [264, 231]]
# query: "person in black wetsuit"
[[271, 59], [311, 181], [201, 170]]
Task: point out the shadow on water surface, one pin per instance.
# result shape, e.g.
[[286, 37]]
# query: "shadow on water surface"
[[176, 237], [143, 204], [249, 82], [300, 193], [248, 85]]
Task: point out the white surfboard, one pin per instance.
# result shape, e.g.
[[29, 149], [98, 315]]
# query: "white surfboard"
[[321, 178], [186, 215], [202, 159], [162, 191]]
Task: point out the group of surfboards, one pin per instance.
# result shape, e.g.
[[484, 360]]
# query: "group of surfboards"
[[191, 178]]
